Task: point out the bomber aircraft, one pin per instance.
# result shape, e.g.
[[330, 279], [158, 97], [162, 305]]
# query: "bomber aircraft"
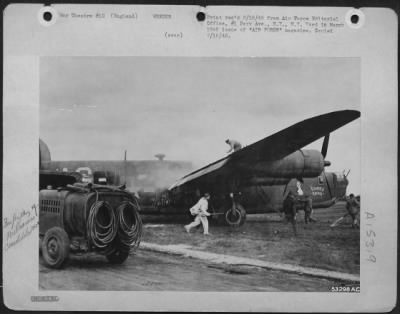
[[272, 165], [251, 180]]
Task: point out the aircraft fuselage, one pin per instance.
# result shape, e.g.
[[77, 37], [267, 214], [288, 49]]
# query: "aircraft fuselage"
[[262, 184]]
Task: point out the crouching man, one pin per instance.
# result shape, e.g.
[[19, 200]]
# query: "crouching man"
[[200, 211], [353, 210]]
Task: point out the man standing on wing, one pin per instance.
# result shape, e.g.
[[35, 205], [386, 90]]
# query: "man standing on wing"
[[234, 146], [200, 211]]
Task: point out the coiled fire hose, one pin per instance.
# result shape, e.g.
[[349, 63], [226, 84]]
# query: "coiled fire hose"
[[129, 225], [101, 233]]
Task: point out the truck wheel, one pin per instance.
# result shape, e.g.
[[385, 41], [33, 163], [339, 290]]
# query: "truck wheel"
[[55, 247], [236, 218], [40, 246], [117, 257]]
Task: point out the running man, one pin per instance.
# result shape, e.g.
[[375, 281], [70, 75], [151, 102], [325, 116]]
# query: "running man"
[[200, 211]]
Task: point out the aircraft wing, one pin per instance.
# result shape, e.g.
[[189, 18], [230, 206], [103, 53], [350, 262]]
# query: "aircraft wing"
[[294, 137], [277, 145], [211, 168]]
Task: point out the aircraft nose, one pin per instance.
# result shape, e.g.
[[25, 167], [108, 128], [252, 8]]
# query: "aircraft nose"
[[327, 163]]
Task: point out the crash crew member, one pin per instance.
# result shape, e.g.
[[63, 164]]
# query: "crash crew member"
[[353, 208], [306, 200], [290, 209], [200, 211], [234, 145]]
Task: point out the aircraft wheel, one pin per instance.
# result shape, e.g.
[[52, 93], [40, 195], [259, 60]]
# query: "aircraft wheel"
[[55, 247], [235, 218], [40, 246]]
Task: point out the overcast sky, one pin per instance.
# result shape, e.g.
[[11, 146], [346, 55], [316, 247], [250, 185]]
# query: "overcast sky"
[[93, 108]]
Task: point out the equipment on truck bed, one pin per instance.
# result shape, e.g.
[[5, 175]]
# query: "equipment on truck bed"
[[84, 217]]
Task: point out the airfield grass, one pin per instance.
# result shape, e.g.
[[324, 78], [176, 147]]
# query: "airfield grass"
[[266, 237]]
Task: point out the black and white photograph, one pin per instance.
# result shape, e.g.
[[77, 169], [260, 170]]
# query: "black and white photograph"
[[237, 174], [205, 159]]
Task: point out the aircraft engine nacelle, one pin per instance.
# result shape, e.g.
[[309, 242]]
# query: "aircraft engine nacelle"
[[300, 164]]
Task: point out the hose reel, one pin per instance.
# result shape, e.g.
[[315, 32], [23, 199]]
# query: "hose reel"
[[108, 229]]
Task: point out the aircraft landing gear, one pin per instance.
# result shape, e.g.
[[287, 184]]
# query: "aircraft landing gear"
[[235, 215], [228, 211]]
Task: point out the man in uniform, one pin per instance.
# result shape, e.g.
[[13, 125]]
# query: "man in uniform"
[[353, 210], [234, 145], [290, 209], [304, 200], [200, 211]]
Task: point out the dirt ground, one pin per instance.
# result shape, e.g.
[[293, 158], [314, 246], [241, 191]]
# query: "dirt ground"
[[263, 237], [266, 237], [152, 271]]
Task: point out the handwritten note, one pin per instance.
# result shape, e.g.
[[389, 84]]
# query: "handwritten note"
[[19, 226], [371, 237]]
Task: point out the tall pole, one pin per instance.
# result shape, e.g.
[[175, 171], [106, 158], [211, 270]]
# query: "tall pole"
[[125, 166]]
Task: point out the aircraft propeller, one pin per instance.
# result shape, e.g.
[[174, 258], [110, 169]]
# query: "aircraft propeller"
[[324, 150]]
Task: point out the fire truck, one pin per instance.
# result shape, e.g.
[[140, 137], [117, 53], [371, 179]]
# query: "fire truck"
[[82, 217]]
